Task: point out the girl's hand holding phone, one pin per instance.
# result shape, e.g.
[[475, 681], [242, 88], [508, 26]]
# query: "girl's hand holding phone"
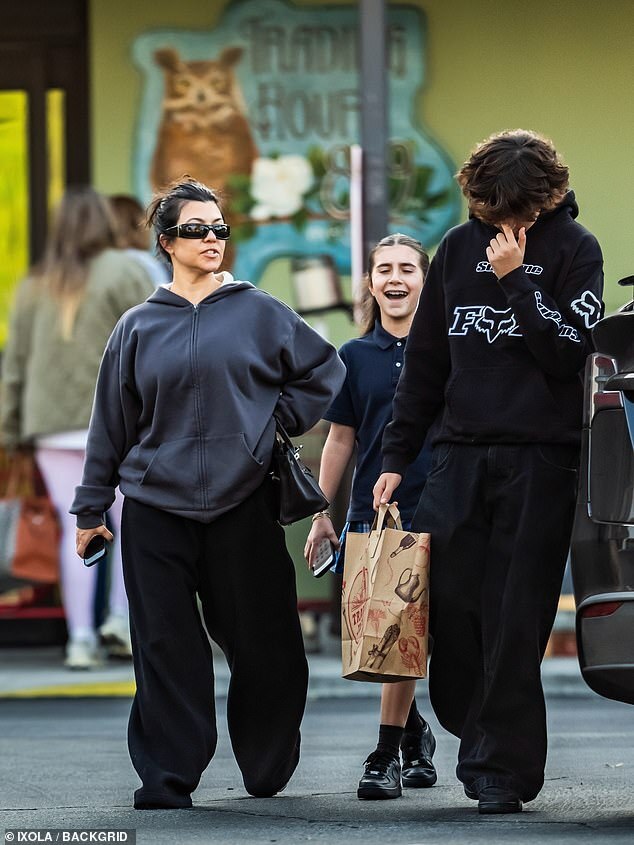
[[321, 537]]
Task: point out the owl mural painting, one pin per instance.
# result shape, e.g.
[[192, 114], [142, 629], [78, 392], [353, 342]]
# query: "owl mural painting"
[[204, 130], [264, 108]]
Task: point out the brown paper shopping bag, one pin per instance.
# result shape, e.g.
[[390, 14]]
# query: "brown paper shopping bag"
[[385, 602]]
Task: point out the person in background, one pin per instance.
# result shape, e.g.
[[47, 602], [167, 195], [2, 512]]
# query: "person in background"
[[133, 235], [498, 343], [190, 386], [358, 416], [63, 315]]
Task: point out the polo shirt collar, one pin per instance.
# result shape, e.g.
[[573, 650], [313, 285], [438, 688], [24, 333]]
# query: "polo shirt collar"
[[382, 338]]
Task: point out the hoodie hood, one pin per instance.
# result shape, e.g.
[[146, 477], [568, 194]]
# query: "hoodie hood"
[[568, 205], [164, 296]]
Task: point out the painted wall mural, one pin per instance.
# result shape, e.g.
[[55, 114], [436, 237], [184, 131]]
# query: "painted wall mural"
[[265, 107]]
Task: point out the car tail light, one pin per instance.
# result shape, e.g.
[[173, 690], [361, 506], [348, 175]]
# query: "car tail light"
[[602, 608], [599, 368]]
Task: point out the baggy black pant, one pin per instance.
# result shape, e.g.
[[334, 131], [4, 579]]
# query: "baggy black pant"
[[239, 567], [500, 519]]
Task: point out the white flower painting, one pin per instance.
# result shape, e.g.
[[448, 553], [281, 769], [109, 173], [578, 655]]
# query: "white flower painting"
[[278, 186]]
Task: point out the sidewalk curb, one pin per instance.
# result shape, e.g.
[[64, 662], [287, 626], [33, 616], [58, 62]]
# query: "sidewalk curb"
[[32, 675]]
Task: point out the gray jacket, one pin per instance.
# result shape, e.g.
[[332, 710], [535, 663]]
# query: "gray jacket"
[[183, 412]]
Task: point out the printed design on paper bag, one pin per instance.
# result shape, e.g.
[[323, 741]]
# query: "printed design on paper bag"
[[378, 653], [409, 649], [588, 307], [406, 543], [409, 587], [357, 600], [375, 617], [565, 330], [418, 618]]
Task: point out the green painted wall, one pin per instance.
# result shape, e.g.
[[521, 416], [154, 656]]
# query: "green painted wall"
[[562, 67]]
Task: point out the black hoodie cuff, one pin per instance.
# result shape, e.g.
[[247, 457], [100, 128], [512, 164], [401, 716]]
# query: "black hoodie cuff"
[[395, 463], [89, 520]]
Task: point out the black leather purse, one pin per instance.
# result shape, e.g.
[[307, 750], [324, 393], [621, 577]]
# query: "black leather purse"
[[300, 494]]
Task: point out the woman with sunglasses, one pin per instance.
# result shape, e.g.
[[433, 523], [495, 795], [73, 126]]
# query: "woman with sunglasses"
[[184, 422]]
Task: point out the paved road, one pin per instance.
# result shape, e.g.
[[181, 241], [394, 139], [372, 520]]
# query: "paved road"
[[63, 763]]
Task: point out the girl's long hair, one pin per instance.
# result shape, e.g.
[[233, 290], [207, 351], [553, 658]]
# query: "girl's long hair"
[[82, 227], [370, 311]]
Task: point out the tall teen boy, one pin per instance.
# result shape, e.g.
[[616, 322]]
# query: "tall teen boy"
[[497, 346]]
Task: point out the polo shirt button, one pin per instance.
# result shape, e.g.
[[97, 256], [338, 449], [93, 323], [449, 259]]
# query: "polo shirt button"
[[398, 363], [398, 343]]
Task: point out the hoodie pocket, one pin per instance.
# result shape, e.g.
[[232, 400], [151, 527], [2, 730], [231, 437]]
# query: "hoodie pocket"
[[190, 474], [232, 471], [500, 401], [173, 475]]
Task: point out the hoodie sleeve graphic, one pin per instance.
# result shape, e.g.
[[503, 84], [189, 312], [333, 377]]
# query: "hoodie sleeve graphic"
[[556, 328]]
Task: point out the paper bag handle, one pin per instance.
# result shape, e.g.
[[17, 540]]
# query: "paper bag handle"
[[385, 514]]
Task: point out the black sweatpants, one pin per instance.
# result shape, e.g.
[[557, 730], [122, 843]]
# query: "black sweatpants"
[[240, 568], [500, 519]]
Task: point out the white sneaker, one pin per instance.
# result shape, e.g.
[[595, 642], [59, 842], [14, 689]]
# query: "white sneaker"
[[115, 636], [82, 654]]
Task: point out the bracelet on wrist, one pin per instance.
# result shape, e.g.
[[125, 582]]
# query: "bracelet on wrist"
[[320, 514]]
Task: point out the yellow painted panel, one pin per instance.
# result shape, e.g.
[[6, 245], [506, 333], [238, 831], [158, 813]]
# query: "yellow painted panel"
[[55, 126], [14, 193]]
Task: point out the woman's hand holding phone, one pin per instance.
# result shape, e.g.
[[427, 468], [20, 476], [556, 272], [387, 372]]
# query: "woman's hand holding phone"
[[97, 537]]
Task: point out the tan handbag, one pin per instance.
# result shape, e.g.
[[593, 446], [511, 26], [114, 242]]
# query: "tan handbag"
[[29, 527]]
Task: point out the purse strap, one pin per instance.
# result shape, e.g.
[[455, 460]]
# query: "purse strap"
[[283, 435]]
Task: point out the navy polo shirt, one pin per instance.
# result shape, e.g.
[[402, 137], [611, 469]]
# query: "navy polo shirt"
[[374, 364]]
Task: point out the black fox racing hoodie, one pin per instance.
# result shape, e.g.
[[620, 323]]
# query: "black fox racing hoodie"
[[183, 412], [503, 356]]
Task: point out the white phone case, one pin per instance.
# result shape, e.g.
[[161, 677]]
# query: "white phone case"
[[323, 558]]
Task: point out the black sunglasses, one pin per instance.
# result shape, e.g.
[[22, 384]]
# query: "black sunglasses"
[[222, 231]]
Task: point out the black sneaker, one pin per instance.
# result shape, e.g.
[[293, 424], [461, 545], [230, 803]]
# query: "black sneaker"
[[417, 751], [381, 777], [495, 800]]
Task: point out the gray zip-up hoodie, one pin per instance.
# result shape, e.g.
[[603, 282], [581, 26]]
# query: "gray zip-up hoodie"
[[183, 412]]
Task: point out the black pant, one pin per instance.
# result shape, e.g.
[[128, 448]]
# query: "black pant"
[[500, 519], [239, 567]]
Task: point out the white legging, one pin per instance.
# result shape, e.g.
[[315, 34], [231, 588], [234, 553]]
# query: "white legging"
[[62, 471]]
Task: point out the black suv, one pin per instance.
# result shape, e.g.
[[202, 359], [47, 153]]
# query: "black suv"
[[602, 550]]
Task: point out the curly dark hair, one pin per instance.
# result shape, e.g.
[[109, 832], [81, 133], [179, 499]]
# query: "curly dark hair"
[[512, 176], [165, 208]]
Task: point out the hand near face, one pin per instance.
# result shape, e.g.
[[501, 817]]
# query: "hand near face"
[[506, 254]]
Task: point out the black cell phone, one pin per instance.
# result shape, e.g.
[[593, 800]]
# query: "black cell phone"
[[323, 558], [96, 550]]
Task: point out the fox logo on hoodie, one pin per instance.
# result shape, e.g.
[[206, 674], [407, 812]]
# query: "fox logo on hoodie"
[[485, 320]]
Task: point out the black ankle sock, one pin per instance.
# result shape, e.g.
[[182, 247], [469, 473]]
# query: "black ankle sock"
[[390, 739], [415, 722]]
